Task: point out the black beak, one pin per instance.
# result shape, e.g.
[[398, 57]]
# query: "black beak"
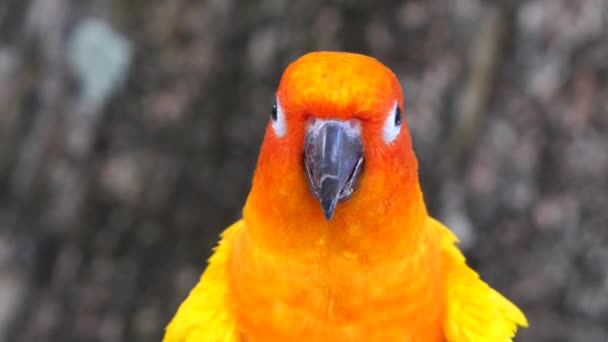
[[333, 158]]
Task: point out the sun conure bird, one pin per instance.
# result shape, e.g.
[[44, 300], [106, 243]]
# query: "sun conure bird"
[[336, 243]]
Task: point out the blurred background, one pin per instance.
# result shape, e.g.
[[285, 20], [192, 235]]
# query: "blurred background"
[[129, 131]]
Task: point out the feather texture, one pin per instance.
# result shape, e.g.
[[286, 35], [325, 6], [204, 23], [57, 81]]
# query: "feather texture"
[[476, 312], [380, 270], [205, 315]]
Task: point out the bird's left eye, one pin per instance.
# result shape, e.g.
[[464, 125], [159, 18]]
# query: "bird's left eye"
[[277, 116], [398, 118], [392, 124]]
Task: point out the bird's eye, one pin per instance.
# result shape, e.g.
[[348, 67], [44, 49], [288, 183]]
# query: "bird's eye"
[[273, 115], [277, 116], [398, 118], [392, 123]]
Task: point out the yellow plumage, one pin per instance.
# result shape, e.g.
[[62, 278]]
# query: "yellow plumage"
[[205, 315], [475, 311]]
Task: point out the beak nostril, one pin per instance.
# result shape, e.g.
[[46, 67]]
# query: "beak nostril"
[[354, 124]]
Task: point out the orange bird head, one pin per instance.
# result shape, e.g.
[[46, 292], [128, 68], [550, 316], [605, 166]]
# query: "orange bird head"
[[337, 148]]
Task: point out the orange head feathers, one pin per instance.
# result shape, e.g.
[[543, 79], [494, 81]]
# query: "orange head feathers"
[[326, 99]]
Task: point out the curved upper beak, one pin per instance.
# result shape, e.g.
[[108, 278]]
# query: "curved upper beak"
[[333, 158]]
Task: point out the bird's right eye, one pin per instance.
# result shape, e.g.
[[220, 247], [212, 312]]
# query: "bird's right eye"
[[278, 119], [273, 114]]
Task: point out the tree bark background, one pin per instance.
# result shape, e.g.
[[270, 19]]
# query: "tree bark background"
[[129, 131]]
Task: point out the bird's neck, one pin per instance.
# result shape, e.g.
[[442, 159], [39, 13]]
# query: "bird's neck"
[[293, 272], [384, 216]]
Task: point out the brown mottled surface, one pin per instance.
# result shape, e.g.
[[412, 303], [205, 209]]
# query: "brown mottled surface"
[[109, 209]]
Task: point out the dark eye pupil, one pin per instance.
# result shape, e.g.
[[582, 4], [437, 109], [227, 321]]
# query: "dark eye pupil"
[[273, 115], [398, 118]]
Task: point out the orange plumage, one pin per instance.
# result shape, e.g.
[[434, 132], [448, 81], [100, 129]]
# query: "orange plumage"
[[379, 270]]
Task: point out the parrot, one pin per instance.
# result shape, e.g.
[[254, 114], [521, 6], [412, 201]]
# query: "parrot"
[[335, 242]]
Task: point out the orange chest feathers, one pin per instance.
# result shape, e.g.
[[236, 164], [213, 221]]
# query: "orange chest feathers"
[[329, 295]]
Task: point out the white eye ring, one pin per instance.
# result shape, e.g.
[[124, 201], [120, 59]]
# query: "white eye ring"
[[392, 124], [279, 123]]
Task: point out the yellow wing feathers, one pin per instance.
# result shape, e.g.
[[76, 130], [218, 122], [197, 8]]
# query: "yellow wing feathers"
[[205, 315], [475, 311]]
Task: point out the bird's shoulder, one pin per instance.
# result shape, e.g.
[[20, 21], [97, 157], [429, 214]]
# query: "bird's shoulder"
[[475, 311], [205, 316]]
